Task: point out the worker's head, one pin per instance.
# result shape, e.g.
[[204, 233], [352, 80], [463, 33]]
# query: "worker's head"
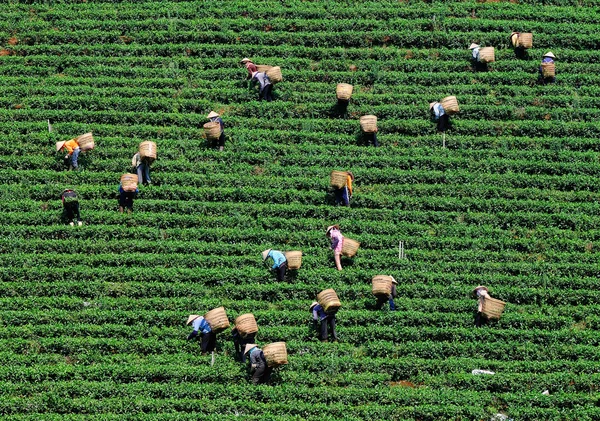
[[330, 228], [59, 145], [249, 347], [265, 254], [549, 54], [313, 305], [245, 60], [212, 114], [477, 288], [191, 318], [473, 45]]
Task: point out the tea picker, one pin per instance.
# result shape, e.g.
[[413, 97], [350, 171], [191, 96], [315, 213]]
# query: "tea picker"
[[547, 69], [73, 150], [261, 372], [279, 262], [216, 118], [202, 328], [487, 307], [337, 242], [142, 160], [70, 207], [389, 297], [128, 190], [344, 194], [251, 67], [240, 341], [323, 321], [265, 86]]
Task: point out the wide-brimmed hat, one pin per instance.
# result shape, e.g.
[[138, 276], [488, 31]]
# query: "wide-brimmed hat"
[[212, 114], [473, 45], [479, 287], [249, 347], [313, 305], [191, 318], [60, 144], [549, 54], [245, 59], [431, 104], [330, 227], [265, 253], [393, 280]]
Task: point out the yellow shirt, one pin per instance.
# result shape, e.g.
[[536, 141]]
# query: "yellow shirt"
[[70, 146], [349, 185]]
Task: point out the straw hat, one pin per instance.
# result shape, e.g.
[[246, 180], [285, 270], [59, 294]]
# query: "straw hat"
[[549, 54], [265, 253], [59, 145], [431, 104], [473, 45], [329, 228], [212, 114], [249, 347], [245, 59], [313, 305], [393, 280], [191, 318], [479, 287]]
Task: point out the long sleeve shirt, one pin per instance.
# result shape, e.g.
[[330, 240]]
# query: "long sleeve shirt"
[[547, 60], [201, 325], [476, 53], [70, 146], [482, 294], [220, 121], [136, 161], [336, 237], [278, 258], [257, 357], [262, 79], [349, 185], [318, 312], [438, 110]]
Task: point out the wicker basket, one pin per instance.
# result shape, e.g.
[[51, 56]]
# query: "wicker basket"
[[548, 70], [275, 354], [492, 308], [343, 91], [129, 182], [338, 179], [246, 324], [148, 150], [85, 142], [349, 247], [329, 300], [262, 68], [382, 285], [525, 40], [217, 319], [487, 55], [294, 259], [274, 74], [212, 130], [368, 123], [450, 105]]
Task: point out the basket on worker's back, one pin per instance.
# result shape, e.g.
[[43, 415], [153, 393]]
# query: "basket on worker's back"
[[548, 70], [338, 179], [492, 308], [294, 259], [274, 74], [129, 182], [85, 142], [381, 285], [147, 149], [262, 68], [450, 105], [246, 324], [349, 247], [343, 91], [275, 354], [368, 123], [329, 300], [525, 40], [487, 55], [217, 319], [212, 129]]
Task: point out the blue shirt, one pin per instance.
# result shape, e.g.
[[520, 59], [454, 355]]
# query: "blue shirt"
[[438, 110], [318, 312], [200, 324], [547, 60], [278, 258], [220, 121]]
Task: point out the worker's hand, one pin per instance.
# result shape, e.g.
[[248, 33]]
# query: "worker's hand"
[[67, 156], [253, 365]]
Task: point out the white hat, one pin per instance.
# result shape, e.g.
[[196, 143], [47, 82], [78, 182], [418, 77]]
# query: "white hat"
[[59, 145], [330, 227], [473, 45], [265, 253], [431, 104], [249, 347], [393, 280], [245, 59], [212, 114], [313, 304], [192, 318], [479, 287], [549, 54]]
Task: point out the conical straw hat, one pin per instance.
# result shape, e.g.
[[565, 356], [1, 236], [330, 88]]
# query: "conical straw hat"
[[549, 54], [249, 347], [478, 287], [212, 114], [192, 318], [431, 104], [473, 45], [60, 145], [313, 304], [265, 253], [245, 59]]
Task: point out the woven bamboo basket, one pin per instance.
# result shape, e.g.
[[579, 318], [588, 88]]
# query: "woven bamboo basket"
[[262, 68], [382, 285], [343, 91], [217, 319], [525, 40], [349, 247], [148, 150], [368, 123], [129, 182], [274, 74], [548, 69], [294, 259], [329, 300], [450, 105], [492, 308], [85, 142], [246, 323], [275, 354], [338, 179], [212, 129], [487, 55]]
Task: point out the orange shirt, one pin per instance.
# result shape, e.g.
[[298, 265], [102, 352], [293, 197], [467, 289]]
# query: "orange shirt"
[[70, 146], [349, 184]]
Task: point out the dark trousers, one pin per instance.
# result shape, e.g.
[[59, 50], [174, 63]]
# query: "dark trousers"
[[341, 196], [546, 80], [208, 342], [126, 199], [381, 301], [221, 140], [478, 66], [71, 211], [371, 138], [266, 93], [443, 123], [262, 374], [480, 319], [328, 321], [281, 272], [240, 343]]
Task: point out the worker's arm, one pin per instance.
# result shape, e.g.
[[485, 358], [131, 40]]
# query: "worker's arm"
[[192, 335]]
